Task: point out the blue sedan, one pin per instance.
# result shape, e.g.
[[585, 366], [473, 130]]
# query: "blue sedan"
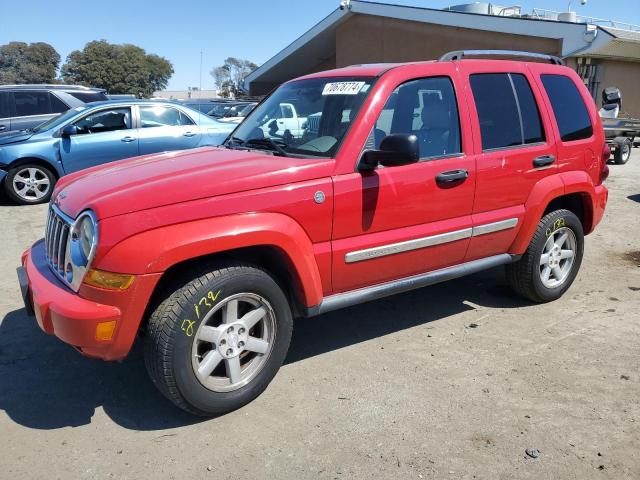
[[32, 160]]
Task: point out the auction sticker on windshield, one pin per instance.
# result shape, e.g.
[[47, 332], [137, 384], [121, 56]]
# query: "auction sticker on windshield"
[[342, 88]]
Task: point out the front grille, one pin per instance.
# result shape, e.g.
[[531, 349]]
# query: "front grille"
[[56, 239]]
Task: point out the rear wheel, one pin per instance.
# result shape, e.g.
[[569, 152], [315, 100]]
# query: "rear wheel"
[[623, 152], [215, 343], [551, 263], [29, 184]]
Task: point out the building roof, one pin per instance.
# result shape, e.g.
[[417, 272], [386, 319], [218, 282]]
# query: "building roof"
[[319, 43]]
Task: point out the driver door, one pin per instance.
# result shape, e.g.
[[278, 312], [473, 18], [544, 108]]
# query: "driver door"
[[102, 136], [394, 222]]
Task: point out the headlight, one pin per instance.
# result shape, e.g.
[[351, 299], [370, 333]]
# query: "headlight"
[[84, 239]]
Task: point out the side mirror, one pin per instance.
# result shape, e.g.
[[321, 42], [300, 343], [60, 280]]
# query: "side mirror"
[[395, 150], [68, 131]]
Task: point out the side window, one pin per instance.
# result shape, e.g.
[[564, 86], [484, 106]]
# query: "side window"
[[287, 112], [158, 116], [5, 106], [57, 105], [507, 110], [531, 123], [31, 103], [87, 97], [497, 110], [426, 108], [105, 121], [568, 107]]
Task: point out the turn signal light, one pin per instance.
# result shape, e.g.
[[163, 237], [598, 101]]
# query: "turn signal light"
[[104, 330], [108, 280]]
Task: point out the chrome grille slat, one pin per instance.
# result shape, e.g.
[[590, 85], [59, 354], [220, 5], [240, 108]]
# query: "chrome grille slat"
[[56, 238], [62, 247]]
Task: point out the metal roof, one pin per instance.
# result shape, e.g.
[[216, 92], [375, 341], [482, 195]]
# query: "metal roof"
[[319, 42]]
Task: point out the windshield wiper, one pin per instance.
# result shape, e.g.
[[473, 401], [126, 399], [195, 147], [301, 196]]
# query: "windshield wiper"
[[269, 142]]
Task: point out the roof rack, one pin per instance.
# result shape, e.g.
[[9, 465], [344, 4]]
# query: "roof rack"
[[460, 54], [51, 86]]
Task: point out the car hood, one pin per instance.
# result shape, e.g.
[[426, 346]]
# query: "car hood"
[[152, 181], [15, 136]]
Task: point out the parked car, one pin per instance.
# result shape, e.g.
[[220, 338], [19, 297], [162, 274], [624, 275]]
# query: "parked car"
[[31, 161], [25, 106], [438, 170]]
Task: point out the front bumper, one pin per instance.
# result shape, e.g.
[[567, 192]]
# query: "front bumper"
[[73, 317]]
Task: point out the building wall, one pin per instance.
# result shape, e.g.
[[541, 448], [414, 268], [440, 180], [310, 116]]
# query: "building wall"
[[370, 39], [625, 76], [185, 94]]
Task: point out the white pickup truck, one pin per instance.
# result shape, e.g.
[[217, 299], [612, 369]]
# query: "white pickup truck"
[[288, 119]]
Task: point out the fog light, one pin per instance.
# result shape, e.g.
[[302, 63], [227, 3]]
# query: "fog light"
[[104, 330], [108, 280]]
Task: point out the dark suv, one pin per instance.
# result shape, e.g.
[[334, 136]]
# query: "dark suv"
[[25, 106]]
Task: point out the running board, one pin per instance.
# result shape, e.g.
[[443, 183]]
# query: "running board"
[[354, 297]]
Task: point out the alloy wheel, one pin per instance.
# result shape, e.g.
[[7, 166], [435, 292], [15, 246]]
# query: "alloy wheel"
[[31, 184], [233, 342], [558, 257]]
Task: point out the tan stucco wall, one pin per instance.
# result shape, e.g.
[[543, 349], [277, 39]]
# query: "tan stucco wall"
[[625, 76], [369, 39]]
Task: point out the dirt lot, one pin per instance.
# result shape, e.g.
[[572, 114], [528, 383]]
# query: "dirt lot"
[[453, 381]]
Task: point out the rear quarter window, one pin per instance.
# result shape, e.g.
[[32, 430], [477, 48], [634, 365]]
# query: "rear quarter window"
[[568, 106], [87, 97]]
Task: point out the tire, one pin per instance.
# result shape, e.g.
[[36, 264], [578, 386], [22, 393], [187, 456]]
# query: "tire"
[[623, 152], [527, 275], [18, 188], [185, 335]]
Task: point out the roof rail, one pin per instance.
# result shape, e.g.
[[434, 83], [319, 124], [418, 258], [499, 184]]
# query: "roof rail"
[[460, 54]]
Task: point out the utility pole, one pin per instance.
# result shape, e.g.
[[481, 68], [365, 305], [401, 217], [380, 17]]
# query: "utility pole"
[[201, 70]]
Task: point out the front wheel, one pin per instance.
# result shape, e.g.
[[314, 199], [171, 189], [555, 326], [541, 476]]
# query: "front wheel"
[[215, 343], [551, 263], [29, 184]]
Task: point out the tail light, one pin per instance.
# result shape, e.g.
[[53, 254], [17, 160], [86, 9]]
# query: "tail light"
[[604, 168]]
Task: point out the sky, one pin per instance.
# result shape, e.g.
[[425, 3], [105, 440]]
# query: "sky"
[[252, 29]]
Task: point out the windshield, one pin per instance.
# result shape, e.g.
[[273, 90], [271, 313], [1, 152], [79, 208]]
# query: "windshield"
[[304, 117], [58, 120]]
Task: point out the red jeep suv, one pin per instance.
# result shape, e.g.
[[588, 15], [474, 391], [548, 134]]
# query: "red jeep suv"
[[389, 178]]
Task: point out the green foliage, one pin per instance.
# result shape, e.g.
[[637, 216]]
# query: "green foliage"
[[229, 77], [117, 68], [28, 63]]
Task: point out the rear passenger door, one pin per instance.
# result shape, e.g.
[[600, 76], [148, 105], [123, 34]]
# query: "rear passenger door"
[[399, 221], [164, 128], [516, 147]]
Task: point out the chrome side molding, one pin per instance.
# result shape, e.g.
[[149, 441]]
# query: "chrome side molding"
[[393, 248], [354, 297], [430, 241], [495, 227]]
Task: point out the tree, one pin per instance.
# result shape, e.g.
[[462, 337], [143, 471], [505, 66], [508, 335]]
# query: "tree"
[[117, 68], [28, 63], [229, 78]]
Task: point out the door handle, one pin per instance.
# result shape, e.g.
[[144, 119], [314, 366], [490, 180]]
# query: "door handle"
[[189, 134], [3, 127], [452, 176], [127, 139], [543, 160]]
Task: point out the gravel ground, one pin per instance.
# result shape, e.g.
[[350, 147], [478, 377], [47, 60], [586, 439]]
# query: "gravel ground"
[[454, 381]]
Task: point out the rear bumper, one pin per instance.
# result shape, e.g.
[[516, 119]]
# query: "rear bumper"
[[600, 204], [73, 317]]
